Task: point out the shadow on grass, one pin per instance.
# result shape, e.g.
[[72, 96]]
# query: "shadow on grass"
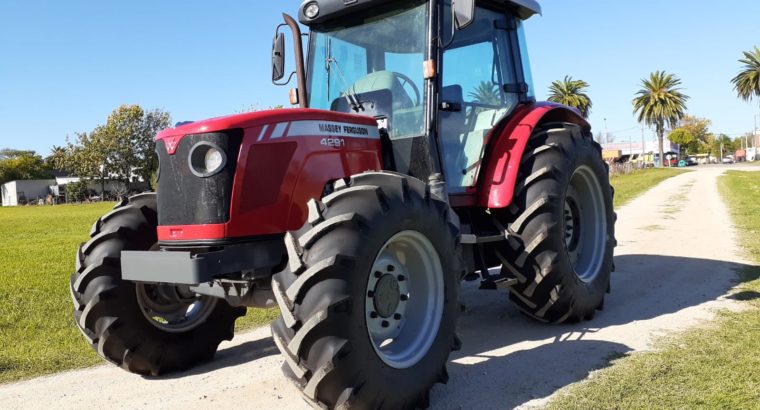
[[746, 295]]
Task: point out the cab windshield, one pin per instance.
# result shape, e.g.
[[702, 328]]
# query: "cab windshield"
[[374, 68]]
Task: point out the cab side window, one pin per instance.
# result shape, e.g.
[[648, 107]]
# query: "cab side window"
[[476, 67]]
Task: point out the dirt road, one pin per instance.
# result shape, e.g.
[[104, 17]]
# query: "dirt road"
[[675, 262]]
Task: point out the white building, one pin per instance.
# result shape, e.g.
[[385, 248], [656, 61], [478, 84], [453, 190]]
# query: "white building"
[[21, 192], [31, 191], [634, 147]]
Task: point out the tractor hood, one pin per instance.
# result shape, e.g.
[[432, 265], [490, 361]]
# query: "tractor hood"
[[257, 118], [172, 136], [252, 174]]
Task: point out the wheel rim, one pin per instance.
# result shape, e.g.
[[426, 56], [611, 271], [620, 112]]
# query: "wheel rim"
[[404, 299], [173, 309], [585, 223]]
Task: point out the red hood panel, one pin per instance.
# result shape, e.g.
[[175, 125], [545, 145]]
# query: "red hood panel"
[[258, 118]]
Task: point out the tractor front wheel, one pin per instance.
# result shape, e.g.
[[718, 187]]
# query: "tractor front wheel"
[[369, 296], [562, 227], [147, 329]]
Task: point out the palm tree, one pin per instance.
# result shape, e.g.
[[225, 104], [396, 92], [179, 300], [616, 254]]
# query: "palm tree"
[[571, 93], [747, 82], [660, 102], [486, 93]]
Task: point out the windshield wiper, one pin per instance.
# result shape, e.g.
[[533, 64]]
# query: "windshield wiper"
[[351, 97]]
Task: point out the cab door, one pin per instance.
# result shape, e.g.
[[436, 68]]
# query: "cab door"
[[477, 90]]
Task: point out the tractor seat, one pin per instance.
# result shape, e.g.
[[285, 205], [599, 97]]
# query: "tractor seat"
[[384, 80], [407, 118]]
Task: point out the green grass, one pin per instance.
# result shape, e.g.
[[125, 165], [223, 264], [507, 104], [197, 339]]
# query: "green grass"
[[37, 332], [629, 186], [712, 367]]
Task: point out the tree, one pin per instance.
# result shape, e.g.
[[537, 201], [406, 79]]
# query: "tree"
[[90, 156], [723, 145], [77, 191], [572, 93], [131, 131], [121, 148], [9, 153], [256, 107], [683, 138], [747, 82], [660, 103], [19, 165], [486, 93], [700, 129]]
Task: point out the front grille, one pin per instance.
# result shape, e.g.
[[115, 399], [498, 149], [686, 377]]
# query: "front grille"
[[187, 199]]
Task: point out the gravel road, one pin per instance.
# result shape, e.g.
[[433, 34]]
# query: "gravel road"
[[676, 261]]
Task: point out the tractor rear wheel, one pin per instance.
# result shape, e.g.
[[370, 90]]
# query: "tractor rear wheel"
[[369, 296], [563, 227], [144, 328]]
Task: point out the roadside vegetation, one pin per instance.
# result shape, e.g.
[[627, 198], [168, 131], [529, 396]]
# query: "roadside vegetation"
[[717, 366], [629, 186], [37, 333]]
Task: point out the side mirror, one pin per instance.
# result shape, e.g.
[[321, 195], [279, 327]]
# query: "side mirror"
[[463, 13], [278, 57]]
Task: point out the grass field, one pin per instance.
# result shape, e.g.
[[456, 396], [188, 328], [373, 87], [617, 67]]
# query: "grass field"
[[37, 248], [713, 367], [629, 186]]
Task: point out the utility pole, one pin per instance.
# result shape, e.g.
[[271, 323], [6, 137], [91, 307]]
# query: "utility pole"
[[630, 145], [643, 145]]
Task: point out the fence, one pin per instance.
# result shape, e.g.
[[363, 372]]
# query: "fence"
[[625, 168]]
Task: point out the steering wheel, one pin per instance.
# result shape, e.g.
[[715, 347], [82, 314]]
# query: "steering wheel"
[[404, 80]]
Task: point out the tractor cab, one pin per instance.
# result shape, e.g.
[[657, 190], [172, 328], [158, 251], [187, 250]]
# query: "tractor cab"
[[437, 79]]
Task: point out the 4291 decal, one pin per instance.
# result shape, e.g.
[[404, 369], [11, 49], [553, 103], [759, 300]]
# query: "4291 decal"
[[333, 142]]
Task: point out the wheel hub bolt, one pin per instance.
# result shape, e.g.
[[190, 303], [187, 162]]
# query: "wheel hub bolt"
[[391, 268], [401, 278], [370, 294], [373, 315], [404, 298], [397, 316], [385, 323], [378, 274]]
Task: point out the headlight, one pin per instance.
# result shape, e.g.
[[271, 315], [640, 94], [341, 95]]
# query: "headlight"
[[311, 10], [206, 159]]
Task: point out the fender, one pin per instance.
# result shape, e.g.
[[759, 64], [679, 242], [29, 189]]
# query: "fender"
[[507, 145]]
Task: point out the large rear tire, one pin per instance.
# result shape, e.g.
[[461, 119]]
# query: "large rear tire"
[[563, 227], [145, 329], [369, 296]]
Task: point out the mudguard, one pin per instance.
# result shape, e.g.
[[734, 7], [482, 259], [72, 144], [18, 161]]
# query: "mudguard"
[[507, 145]]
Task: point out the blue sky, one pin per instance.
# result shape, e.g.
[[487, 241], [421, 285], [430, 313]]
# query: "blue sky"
[[65, 65]]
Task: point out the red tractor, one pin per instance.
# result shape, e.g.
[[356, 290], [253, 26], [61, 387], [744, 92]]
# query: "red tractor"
[[418, 158]]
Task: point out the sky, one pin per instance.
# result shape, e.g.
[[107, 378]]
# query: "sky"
[[65, 65]]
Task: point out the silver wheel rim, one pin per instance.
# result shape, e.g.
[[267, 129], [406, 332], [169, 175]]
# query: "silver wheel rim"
[[173, 309], [585, 224], [404, 299]]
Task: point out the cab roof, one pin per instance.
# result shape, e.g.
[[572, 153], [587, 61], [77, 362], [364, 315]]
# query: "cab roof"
[[332, 9]]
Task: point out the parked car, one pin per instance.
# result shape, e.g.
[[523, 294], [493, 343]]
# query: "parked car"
[[691, 160], [728, 159]]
